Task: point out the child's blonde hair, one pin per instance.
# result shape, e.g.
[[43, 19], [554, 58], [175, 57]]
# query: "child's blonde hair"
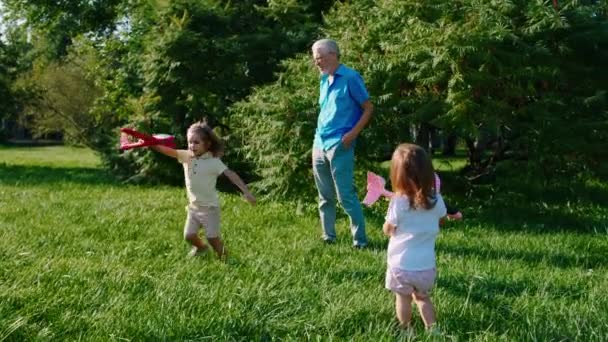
[[412, 174], [202, 130]]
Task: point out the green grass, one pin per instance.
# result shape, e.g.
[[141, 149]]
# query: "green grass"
[[85, 257]]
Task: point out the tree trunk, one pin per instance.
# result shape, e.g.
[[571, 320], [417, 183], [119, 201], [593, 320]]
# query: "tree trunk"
[[449, 145], [423, 136], [475, 153]]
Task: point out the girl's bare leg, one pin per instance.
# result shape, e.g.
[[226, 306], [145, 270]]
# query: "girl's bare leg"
[[425, 306], [403, 306], [219, 248], [196, 241]]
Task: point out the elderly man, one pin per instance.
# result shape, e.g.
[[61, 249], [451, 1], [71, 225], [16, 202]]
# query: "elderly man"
[[345, 110]]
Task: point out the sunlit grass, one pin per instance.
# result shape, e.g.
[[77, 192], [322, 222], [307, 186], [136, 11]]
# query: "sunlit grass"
[[85, 257], [451, 164], [49, 156]]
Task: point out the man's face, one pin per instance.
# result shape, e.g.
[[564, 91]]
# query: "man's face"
[[325, 62]]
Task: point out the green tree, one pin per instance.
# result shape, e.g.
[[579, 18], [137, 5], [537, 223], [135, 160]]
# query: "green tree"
[[509, 77], [59, 22], [184, 60], [15, 58], [493, 73], [156, 65], [5, 81], [7, 103], [61, 95], [278, 121]]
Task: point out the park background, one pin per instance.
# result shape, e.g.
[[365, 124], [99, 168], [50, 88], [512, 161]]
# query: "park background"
[[509, 96]]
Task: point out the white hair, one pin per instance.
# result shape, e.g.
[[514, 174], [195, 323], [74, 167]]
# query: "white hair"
[[326, 46]]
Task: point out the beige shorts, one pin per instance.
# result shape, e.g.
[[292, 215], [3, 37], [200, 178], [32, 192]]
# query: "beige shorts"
[[408, 282], [208, 217]]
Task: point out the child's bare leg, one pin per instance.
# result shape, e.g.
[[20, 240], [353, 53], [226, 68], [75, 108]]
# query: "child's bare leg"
[[218, 247], [403, 306], [196, 241], [425, 306]]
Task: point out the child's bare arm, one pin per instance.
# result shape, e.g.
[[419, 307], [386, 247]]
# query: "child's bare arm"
[[168, 151], [234, 178], [388, 229]]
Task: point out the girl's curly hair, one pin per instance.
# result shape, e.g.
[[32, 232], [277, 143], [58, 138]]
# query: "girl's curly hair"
[[207, 135]]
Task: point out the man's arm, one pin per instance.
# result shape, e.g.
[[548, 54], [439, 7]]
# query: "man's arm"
[[368, 109]]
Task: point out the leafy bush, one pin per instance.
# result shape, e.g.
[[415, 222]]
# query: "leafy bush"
[[277, 126], [61, 95], [190, 60], [513, 79]]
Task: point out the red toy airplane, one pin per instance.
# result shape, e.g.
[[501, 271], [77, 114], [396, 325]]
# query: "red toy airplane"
[[127, 134]]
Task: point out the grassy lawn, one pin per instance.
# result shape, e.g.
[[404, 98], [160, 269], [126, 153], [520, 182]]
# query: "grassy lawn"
[[83, 257]]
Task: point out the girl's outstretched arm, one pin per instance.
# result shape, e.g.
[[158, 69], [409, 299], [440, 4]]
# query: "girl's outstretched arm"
[[168, 151], [236, 180]]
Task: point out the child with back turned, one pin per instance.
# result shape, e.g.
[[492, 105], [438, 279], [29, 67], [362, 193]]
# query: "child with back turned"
[[202, 166], [412, 223]]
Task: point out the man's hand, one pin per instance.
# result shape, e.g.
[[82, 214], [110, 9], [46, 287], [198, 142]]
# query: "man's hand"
[[348, 138]]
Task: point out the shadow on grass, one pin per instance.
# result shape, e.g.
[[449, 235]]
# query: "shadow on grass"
[[500, 298], [526, 216], [356, 276], [39, 175], [567, 205], [540, 221], [594, 259], [493, 292], [535, 214]]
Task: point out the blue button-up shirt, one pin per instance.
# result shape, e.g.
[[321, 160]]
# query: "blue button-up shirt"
[[340, 104]]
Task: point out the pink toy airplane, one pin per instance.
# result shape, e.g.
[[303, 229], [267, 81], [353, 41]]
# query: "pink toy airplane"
[[143, 139], [375, 188]]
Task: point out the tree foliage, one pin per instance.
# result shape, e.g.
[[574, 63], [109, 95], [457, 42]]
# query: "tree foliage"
[[59, 22], [277, 123], [5, 82], [61, 95], [15, 59], [181, 61], [517, 81], [510, 78]]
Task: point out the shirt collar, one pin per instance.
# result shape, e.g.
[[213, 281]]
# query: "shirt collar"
[[205, 155], [340, 70]]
